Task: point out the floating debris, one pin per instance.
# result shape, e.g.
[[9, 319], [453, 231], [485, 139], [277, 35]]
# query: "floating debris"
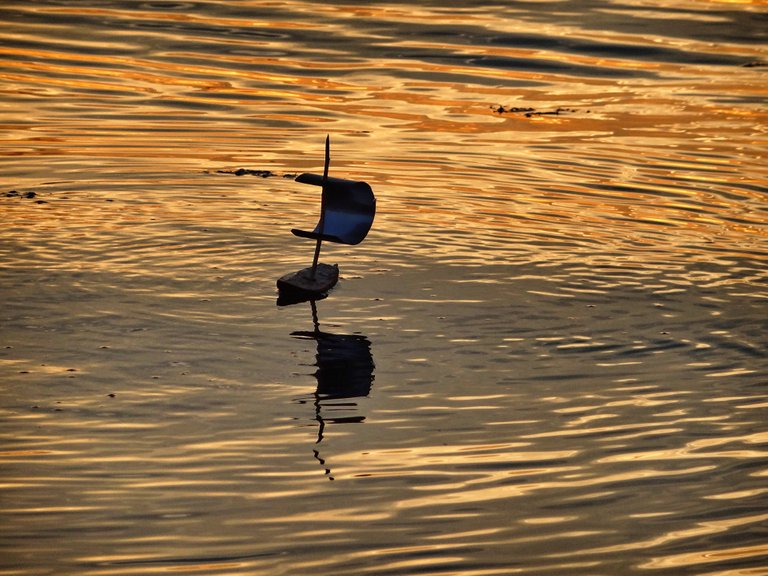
[[249, 172], [29, 195], [252, 172], [511, 110], [529, 112]]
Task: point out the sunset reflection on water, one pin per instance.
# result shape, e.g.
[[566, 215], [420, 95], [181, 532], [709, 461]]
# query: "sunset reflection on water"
[[548, 355]]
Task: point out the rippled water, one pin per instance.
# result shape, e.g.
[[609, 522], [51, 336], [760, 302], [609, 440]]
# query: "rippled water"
[[547, 357]]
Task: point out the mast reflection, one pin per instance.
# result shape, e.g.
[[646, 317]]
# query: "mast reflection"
[[344, 372]]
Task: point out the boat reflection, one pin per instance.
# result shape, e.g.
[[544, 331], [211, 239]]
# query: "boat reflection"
[[344, 372]]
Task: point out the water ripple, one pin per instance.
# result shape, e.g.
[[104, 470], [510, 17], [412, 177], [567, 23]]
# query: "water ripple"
[[552, 341]]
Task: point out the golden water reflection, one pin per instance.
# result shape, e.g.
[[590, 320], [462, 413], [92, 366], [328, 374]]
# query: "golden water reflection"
[[562, 299]]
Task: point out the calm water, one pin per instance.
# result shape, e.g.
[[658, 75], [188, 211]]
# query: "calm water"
[[548, 357]]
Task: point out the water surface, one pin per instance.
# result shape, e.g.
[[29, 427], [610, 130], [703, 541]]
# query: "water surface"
[[547, 357]]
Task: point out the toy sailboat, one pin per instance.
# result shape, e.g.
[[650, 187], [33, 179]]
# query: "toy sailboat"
[[347, 209]]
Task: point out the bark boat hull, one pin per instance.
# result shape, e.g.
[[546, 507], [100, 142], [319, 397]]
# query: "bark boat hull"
[[301, 286]]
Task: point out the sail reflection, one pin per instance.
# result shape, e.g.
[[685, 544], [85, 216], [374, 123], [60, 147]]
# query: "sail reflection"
[[344, 372]]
